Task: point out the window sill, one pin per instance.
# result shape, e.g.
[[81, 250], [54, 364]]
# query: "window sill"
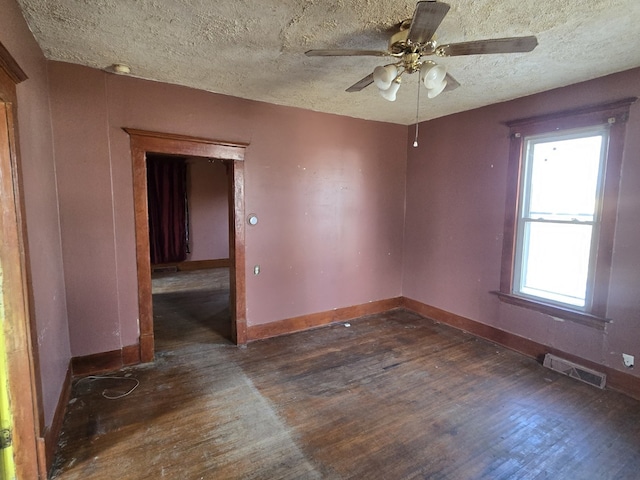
[[582, 318]]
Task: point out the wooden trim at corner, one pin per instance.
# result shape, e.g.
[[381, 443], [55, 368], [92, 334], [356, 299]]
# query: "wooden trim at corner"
[[616, 380], [495, 335], [315, 320], [105, 361], [622, 382], [237, 249], [41, 451], [147, 350], [87, 365], [22, 365], [605, 109], [130, 355], [9, 64], [52, 433], [177, 144], [96, 363]]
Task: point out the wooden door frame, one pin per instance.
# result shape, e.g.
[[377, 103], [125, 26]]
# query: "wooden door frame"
[[143, 142], [23, 367]]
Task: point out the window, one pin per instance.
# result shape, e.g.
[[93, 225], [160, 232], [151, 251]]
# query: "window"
[[559, 216], [564, 172]]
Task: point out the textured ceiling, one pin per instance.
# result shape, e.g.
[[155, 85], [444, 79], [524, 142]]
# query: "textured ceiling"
[[255, 49]]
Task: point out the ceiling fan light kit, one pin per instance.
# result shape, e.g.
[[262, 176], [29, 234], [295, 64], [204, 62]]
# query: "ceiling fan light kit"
[[434, 77], [437, 90], [383, 76], [391, 92], [432, 74], [414, 41]]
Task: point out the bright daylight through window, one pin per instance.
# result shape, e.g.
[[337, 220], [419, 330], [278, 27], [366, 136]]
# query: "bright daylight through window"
[[559, 216], [561, 209]]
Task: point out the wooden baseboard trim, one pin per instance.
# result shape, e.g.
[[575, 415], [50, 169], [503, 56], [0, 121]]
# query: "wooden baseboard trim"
[[41, 452], [616, 380], [105, 361], [195, 264], [52, 432], [314, 320], [147, 347], [130, 355], [495, 335], [623, 382]]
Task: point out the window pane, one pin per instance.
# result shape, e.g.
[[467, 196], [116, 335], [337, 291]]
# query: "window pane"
[[555, 261], [564, 178]]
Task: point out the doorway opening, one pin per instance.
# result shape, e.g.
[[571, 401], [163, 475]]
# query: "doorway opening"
[[189, 239], [144, 143]]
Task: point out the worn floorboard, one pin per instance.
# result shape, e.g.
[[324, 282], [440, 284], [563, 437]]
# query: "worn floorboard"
[[393, 396]]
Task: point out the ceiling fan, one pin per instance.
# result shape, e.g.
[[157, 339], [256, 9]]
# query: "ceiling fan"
[[413, 42]]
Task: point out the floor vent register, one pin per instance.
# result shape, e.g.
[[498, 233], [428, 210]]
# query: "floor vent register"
[[597, 379]]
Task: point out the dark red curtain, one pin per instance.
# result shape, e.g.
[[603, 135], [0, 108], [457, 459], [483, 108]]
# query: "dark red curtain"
[[167, 190]]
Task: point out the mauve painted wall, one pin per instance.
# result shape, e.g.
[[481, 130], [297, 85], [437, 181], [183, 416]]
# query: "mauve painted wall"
[[41, 205], [208, 192], [328, 190], [456, 186]]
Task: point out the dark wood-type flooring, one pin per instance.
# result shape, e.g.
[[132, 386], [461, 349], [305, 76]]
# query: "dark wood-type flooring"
[[393, 396]]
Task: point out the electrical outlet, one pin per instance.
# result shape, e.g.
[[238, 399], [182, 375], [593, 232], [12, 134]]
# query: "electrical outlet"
[[628, 360]]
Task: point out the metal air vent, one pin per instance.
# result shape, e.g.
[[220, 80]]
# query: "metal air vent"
[[574, 370]]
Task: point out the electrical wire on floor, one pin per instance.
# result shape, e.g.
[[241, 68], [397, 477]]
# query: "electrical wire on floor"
[[105, 393]]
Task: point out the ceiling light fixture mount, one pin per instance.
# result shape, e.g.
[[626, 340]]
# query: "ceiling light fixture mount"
[[121, 69]]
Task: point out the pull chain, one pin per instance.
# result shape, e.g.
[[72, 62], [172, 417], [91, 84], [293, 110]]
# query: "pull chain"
[[415, 141]]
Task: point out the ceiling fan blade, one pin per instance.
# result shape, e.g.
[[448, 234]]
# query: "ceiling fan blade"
[[346, 53], [426, 20], [365, 82], [452, 83], [497, 45]]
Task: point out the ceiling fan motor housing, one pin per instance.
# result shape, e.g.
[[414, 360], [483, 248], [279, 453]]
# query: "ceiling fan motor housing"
[[398, 42]]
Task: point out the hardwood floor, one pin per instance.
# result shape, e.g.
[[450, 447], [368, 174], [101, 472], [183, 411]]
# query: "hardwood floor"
[[191, 307], [393, 396]]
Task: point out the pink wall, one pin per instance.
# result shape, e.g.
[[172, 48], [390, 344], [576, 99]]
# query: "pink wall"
[[330, 195], [87, 219], [41, 210], [208, 192], [456, 186], [329, 192]]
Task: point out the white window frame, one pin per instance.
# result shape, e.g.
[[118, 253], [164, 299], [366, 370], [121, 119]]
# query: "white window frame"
[[524, 214]]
